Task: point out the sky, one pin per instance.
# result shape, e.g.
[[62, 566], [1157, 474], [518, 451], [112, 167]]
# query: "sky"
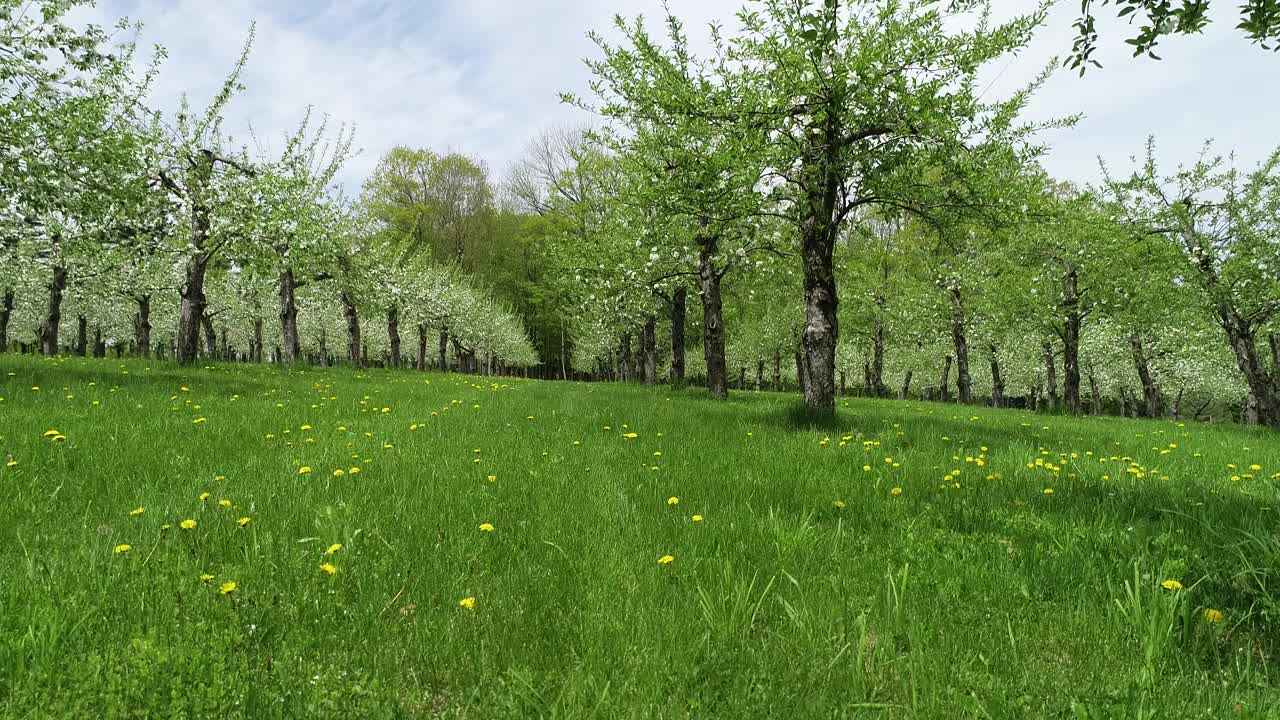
[[483, 77]]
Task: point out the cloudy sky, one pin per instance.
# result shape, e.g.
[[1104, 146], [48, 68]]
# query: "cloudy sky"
[[483, 76]]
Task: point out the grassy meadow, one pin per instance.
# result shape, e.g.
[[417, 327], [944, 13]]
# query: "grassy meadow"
[[254, 542]]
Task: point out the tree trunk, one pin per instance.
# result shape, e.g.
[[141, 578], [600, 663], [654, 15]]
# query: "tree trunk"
[[820, 169], [713, 336], [1175, 411], [351, 313], [422, 347], [843, 383], [210, 337], [99, 347], [649, 346], [1273, 339], [290, 344], [1071, 320], [444, 348], [964, 385], [997, 379], [191, 309], [679, 302], [759, 375], [1251, 413], [393, 332], [53, 317], [1262, 384], [868, 383], [82, 336], [906, 385], [6, 314], [1150, 391], [1095, 394], [258, 351], [944, 390], [142, 325], [625, 357], [777, 370], [1050, 378]]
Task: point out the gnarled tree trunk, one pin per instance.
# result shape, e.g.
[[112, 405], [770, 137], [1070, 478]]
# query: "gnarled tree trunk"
[[258, 351], [1095, 394], [1071, 321], [875, 386], [906, 385], [422, 346], [6, 314], [1050, 377], [82, 336], [1150, 391], [142, 324], [290, 344], [713, 339], [351, 313], [444, 348], [679, 303], [53, 316], [393, 332], [964, 385], [210, 336], [944, 389], [997, 379]]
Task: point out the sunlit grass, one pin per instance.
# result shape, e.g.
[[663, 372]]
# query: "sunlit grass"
[[257, 542]]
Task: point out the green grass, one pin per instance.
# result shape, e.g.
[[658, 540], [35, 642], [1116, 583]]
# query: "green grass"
[[987, 600]]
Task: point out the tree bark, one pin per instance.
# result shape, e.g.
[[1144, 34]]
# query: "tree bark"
[[192, 308], [1071, 322], [713, 336], [649, 346], [777, 370], [875, 386], [906, 385], [820, 170], [945, 388], [82, 336], [258, 351], [290, 343], [679, 303], [1262, 384], [444, 348], [100, 347], [422, 347], [142, 324], [351, 313], [997, 379], [1150, 391], [53, 316], [393, 332], [1050, 377], [6, 314], [210, 337], [759, 375], [843, 383], [964, 385], [625, 358]]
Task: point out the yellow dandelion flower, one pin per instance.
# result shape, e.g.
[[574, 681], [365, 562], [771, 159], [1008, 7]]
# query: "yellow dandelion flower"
[[228, 588], [333, 548], [206, 577], [1213, 617], [51, 433], [467, 603], [304, 470], [486, 527], [137, 511], [896, 491], [666, 560], [353, 470], [697, 518], [866, 468], [224, 503], [123, 549], [630, 436], [187, 524], [493, 478], [838, 503], [1171, 585], [242, 522], [328, 568], [305, 427], [204, 496], [673, 500], [339, 472]]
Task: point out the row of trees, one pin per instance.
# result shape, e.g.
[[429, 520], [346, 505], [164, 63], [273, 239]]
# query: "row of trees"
[[837, 166], [828, 200], [162, 235]]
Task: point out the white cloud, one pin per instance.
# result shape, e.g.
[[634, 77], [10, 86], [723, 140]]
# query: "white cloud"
[[483, 76]]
